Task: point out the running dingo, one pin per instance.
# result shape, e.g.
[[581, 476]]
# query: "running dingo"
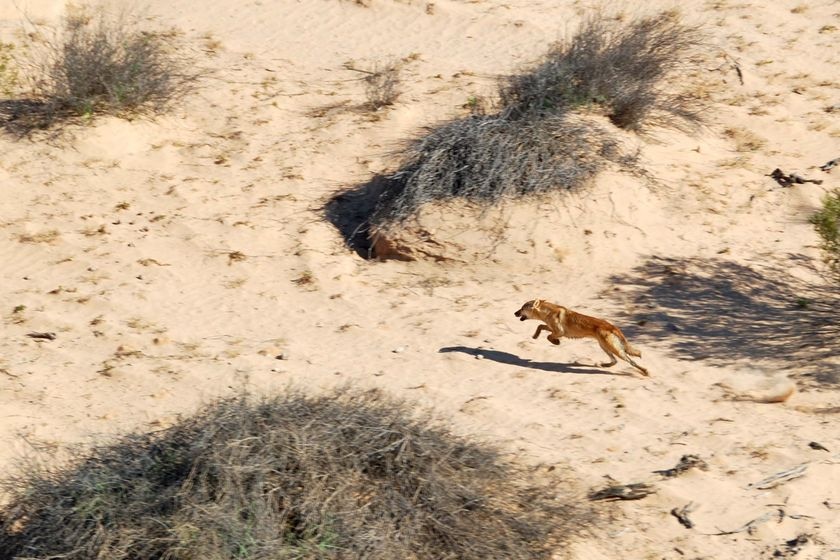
[[560, 322]]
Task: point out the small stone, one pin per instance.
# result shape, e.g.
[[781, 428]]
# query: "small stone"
[[398, 350], [479, 356], [282, 356]]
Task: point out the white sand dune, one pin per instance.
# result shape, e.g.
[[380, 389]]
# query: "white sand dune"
[[175, 259]]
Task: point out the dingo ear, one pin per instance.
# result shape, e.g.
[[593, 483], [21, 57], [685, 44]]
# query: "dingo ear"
[[537, 303]]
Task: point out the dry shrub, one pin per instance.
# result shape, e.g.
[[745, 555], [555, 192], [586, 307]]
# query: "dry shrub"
[[628, 70], [485, 158], [547, 131], [98, 61], [382, 85], [347, 475]]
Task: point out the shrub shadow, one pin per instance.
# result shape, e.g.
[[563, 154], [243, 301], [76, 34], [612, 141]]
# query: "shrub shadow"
[[350, 212], [21, 117], [722, 311], [514, 360]]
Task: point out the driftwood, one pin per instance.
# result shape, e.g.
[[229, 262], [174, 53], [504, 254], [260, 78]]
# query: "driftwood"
[[831, 163], [682, 515], [42, 335], [635, 491], [787, 180], [780, 478], [751, 525], [686, 462]]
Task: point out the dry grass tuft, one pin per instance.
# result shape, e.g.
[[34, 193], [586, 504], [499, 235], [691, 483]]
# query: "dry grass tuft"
[[97, 62], [348, 475], [630, 71], [382, 85]]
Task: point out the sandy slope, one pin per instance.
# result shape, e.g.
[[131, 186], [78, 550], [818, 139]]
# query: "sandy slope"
[[177, 259]]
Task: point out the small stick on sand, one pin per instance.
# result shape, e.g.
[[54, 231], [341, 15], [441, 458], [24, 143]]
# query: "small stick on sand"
[[42, 335], [686, 462], [682, 515], [776, 394], [634, 491], [780, 478], [787, 180], [831, 163], [751, 525]]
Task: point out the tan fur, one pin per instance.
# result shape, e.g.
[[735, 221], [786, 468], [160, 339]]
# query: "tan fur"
[[561, 321]]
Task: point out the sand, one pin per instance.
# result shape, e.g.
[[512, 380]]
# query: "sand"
[[180, 258]]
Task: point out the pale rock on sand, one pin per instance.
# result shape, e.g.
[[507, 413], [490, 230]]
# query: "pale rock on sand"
[[757, 386]]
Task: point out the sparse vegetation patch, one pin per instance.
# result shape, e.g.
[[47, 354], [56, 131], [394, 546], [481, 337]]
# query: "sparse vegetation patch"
[[382, 85]]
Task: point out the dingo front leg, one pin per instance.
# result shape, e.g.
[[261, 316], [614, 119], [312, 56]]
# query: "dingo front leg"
[[540, 329]]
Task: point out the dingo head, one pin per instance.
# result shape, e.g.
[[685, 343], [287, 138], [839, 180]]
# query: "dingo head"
[[529, 310]]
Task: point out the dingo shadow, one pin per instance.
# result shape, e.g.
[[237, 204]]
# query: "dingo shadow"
[[723, 311], [514, 360]]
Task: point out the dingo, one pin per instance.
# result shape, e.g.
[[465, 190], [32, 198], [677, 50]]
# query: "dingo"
[[561, 321]]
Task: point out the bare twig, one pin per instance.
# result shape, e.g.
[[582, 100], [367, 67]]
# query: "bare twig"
[[780, 478], [682, 514], [42, 335], [686, 462]]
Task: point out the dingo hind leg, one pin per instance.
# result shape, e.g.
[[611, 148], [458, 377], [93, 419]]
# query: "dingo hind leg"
[[630, 361], [614, 346], [606, 347]]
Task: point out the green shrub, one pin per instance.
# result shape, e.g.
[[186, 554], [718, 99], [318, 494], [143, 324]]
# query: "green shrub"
[[827, 224], [8, 71]]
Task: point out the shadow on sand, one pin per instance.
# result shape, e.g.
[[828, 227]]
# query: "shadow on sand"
[[514, 360], [350, 212], [21, 117], [722, 311]]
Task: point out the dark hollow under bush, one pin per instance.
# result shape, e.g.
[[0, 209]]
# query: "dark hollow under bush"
[[347, 475]]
